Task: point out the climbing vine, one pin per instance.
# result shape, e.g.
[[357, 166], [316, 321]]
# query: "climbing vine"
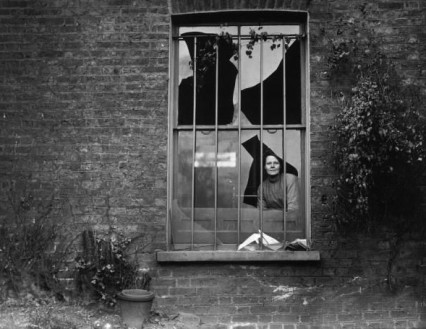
[[379, 136], [208, 45]]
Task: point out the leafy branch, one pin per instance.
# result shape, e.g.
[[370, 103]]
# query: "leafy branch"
[[207, 49], [379, 135]]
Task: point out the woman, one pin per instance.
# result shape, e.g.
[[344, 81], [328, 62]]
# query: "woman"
[[272, 196]]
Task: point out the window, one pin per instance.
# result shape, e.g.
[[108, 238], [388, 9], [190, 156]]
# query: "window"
[[238, 113]]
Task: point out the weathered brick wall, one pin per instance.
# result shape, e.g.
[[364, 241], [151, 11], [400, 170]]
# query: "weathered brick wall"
[[274, 296], [83, 115], [84, 108]]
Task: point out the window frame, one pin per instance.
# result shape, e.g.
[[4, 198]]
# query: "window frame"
[[240, 17]]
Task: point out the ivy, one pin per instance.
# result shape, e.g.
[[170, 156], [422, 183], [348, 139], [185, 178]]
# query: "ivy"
[[378, 150], [207, 48], [207, 53]]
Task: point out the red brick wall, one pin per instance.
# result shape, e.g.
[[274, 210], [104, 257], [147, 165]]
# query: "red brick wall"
[[83, 116]]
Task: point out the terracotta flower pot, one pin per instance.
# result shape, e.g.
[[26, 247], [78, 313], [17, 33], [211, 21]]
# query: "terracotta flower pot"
[[135, 305]]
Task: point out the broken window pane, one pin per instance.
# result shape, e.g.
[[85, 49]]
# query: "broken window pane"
[[236, 77]]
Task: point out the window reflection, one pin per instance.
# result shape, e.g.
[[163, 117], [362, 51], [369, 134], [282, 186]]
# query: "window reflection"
[[228, 198], [210, 159]]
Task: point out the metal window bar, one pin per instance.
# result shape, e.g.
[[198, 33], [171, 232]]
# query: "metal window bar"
[[284, 50], [261, 145], [239, 141], [216, 122], [261, 127], [248, 37], [194, 145], [235, 128]]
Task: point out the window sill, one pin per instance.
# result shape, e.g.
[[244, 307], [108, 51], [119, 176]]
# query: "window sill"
[[237, 256]]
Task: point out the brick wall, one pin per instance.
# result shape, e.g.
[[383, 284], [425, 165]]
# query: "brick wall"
[[84, 107], [83, 117]]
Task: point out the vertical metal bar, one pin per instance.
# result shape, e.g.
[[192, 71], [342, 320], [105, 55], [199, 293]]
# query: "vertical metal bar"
[[284, 44], [306, 116], [239, 140], [261, 143], [216, 144], [194, 99], [303, 146]]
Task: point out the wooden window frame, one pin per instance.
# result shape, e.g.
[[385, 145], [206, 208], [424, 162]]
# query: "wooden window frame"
[[241, 17]]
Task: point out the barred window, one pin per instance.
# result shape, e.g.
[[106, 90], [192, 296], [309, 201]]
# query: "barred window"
[[238, 134]]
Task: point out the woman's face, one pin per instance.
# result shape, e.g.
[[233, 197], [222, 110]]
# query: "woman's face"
[[272, 165]]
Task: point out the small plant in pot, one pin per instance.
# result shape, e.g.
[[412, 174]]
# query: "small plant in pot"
[[106, 271], [136, 303]]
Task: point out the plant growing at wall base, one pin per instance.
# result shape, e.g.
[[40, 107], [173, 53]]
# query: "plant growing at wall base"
[[105, 268], [32, 247]]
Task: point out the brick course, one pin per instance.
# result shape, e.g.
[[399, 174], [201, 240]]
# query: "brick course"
[[83, 116]]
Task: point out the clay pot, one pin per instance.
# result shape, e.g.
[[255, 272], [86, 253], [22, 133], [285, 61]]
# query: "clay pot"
[[135, 305]]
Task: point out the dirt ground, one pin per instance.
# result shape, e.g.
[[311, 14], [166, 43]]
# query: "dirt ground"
[[37, 314], [30, 313]]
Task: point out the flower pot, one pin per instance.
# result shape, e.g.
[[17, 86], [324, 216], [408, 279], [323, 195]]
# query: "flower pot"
[[135, 305]]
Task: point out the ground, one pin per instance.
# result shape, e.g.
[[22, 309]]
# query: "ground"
[[30, 313], [37, 314]]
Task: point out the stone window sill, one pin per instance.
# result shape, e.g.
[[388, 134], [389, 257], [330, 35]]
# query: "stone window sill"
[[238, 256]]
